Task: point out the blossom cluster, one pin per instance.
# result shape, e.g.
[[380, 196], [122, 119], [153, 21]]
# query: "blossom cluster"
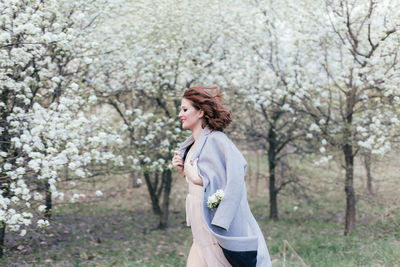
[[45, 124], [216, 198]]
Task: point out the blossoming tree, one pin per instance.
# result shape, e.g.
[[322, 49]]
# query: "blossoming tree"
[[264, 81], [166, 48], [44, 124], [353, 93]]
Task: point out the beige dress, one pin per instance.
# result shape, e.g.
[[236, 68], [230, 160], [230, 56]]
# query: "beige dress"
[[205, 250]]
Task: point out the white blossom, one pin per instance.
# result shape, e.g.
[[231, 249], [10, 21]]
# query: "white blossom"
[[42, 223]]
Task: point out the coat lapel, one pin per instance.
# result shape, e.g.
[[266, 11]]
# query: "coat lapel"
[[199, 145], [185, 144]]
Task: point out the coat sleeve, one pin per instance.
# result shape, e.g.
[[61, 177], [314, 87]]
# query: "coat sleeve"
[[235, 168]]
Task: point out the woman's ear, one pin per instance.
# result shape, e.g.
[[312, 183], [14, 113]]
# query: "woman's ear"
[[201, 113]]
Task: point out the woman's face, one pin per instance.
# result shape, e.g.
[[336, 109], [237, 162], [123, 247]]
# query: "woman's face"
[[190, 117]]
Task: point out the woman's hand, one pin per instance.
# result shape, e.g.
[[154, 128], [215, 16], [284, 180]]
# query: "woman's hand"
[[177, 162], [193, 171]]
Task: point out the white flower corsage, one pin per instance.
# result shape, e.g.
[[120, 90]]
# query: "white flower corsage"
[[214, 200]]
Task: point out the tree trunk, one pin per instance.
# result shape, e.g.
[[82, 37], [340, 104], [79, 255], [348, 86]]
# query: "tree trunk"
[[349, 190], [2, 235], [367, 164], [5, 144], [6, 191], [167, 177], [273, 193], [47, 212], [153, 194], [350, 219], [257, 172]]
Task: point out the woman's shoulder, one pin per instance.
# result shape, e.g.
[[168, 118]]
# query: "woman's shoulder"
[[221, 144], [219, 136], [221, 140]]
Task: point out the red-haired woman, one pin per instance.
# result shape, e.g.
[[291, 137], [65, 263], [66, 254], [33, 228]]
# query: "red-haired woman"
[[225, 233]]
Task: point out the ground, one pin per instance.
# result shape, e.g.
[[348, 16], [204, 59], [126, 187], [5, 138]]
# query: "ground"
[[119, 229]]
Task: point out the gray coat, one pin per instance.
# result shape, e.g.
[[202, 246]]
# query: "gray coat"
[[222, 166]]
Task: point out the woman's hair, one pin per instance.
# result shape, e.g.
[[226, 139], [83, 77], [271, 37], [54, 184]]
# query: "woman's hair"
[[209, 99]]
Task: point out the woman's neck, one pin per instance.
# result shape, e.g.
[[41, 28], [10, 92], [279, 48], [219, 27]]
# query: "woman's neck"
[[197, 131]]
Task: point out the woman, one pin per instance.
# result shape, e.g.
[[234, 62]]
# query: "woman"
[[227, 235]]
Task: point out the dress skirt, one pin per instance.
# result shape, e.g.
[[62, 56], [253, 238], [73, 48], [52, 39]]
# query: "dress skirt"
[[205, 250]]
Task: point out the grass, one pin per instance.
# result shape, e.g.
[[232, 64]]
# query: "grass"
[[119, 229]]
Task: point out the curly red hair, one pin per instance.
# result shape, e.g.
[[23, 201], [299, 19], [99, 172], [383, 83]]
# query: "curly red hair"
[[209, 100]]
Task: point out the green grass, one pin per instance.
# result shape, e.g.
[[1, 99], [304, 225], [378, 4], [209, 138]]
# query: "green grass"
[[120, 229]]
